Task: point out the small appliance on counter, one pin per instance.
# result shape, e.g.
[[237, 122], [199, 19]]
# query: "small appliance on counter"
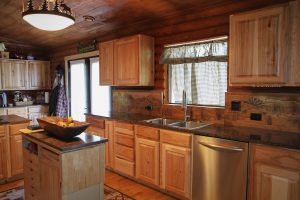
[[3, 99]]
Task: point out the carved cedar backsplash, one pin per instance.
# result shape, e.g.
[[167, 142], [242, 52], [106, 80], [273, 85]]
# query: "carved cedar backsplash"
[[131, 101], [278, 111]]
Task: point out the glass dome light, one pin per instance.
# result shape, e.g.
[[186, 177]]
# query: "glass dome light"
[[58, 18]]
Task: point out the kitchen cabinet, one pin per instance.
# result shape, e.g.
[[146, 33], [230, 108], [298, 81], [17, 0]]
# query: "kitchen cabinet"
[[24, 75], [51, 172], [147, 154], [109, 134], [39, 75], [258, 47], [16, 153], [124, 159], [3, 152], [133, 61], [176, 162], [107, 63], [274, 173], [14, 74]]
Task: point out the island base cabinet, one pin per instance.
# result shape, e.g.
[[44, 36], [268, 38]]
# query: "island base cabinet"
[[57, 175], [176, 169], [275, 173]]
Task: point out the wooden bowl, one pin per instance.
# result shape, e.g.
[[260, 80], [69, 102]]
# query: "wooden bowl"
[[49, 124]]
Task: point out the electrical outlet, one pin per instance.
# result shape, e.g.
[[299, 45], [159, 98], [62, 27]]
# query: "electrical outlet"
[[256, 116], [235, 105]]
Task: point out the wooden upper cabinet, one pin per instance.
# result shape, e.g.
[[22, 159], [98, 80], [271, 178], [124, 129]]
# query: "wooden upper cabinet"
[[132, 61], [107, 63], [274, 173], [39, 75], [258, 51], [14, 74]]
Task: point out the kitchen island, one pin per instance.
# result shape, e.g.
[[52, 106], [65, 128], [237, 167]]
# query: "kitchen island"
[[63, 170]]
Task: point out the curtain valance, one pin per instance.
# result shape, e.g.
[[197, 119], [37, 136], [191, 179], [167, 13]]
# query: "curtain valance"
[[195, 53]]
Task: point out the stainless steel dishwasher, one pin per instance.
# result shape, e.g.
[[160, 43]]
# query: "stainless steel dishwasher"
[[219, 169]]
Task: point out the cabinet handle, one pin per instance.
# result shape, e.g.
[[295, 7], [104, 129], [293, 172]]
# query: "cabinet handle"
[[220, 147]]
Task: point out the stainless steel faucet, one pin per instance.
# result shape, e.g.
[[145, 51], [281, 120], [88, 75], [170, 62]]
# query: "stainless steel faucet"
[[184, 104]]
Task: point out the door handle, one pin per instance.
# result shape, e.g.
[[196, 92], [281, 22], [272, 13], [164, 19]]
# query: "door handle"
[[220, 147]]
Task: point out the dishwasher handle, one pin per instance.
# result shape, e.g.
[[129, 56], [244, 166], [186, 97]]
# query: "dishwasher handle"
[[220, 147]]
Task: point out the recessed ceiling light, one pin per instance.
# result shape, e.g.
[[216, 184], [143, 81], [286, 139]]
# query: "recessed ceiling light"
[[88, 18]]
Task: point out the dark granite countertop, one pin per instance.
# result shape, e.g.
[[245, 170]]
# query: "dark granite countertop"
[[81, 141], [12, 119], [236, 133]]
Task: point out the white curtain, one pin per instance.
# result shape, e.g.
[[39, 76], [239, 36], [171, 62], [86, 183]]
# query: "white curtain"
[[200, 69]]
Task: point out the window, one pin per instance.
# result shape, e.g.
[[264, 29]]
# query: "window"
[[200, 69]]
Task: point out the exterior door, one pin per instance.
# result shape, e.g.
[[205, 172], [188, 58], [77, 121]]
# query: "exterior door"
[[147, 160]]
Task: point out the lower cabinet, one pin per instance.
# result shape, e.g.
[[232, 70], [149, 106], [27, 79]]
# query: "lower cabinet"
[[176, 169], [51, 175], [16, 154], [109, 134], [275, 173], [147, 160], [3, 153]]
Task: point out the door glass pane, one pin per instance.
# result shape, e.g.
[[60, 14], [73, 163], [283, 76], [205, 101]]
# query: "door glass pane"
[[78, 89], [100, 95]]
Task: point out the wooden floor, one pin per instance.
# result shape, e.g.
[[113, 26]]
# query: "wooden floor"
[[124, 185]]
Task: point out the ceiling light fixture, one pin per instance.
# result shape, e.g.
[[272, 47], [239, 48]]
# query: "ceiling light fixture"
[[50, 16]]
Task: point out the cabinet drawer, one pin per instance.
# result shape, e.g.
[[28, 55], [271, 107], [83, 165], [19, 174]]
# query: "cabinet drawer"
[[147, 132], [124, 166], [30, 159], [176, 138], [124, 128], [38, 109], [3, 111], [49, 157], [14, 111], [96, 122], [95, 131], [2, 131], [126, 153], [124, 140]]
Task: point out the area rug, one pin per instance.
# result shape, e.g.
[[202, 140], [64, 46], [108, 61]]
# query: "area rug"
[[18, 194]]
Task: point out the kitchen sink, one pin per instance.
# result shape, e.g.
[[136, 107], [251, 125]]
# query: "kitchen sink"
[[189, 124], [162, 121], [177, 123]]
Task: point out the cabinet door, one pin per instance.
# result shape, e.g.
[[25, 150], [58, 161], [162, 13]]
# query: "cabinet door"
[[176, 169], [39, 74], [258, 47], [147, 160], [107, 63], [3, 158], [275, 173], [14, 74], [50, 171], [126, 61], [16, 154], [109, 148]]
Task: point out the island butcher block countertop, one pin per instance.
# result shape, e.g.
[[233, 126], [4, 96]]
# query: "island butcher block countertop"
[[236, 133]]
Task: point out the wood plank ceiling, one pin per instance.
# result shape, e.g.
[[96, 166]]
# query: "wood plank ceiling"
[[111, 16]]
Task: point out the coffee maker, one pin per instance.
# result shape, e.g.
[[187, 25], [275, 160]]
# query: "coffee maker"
[[3, 99]]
